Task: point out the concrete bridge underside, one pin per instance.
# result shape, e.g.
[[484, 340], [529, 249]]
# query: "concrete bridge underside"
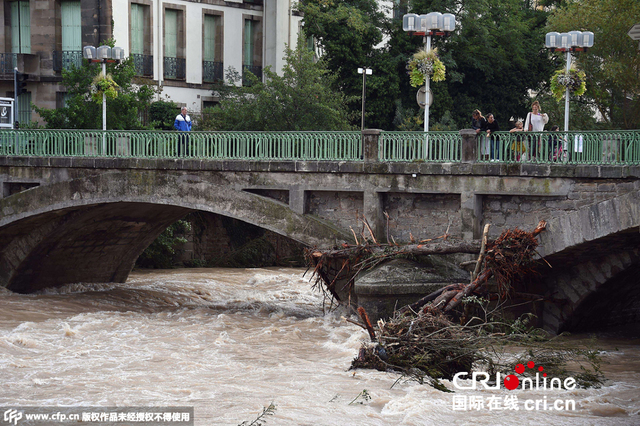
[[93, 229]]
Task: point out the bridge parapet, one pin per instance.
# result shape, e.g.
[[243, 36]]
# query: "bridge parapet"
[[370, 146]]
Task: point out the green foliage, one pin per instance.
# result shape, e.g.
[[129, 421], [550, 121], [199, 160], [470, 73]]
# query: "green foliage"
[[161, 252], [162, 114], [612, 65], [104, 85], [425, 64], [80, 112], [347, 32], [581, 111], [301, 99], [575, 80]]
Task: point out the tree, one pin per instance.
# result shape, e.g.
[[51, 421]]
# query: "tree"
[[612, 65], [494, 58], [347, 32], [301, 99], [81, 112]]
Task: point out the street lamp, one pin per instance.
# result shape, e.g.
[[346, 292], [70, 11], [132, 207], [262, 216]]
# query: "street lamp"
[[568, 42], [434, 23], [103, 54], [365, 72]]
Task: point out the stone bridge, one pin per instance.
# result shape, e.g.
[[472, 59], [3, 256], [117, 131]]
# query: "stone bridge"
[[65, 220]]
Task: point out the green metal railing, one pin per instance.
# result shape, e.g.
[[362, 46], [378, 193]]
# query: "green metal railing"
[[574, 147], [345, 146], [419, 146]]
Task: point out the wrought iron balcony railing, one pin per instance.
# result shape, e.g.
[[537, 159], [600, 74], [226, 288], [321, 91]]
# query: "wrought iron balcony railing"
[[254, 69], [143, 64], [7, 64], [66, 59], [212, 71], [174, 68]]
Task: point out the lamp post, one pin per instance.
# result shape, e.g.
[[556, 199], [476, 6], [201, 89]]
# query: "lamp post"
[[365, 72], [568, 42], [434, 23], [103, 54]]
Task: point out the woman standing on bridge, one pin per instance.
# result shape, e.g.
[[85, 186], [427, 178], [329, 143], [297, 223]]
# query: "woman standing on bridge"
[[535, 123]]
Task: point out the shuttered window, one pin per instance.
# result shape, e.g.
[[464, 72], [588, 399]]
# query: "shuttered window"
[[137, 28], [170, 33], [249, 31], [210, 27], [71, 26], [20, 27]]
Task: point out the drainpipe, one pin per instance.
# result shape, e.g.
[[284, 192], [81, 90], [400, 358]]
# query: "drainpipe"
[[159, 47]]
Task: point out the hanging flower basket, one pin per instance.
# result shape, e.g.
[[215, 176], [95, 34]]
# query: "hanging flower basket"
[[575, 80], [423, 65], [104, 84]]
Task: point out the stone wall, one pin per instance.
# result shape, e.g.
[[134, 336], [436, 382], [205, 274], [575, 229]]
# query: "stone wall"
[[345, 209]]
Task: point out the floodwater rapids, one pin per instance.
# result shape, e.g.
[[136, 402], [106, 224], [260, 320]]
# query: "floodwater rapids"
[[229, 342]]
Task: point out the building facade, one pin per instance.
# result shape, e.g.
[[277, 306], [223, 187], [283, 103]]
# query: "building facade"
[[182, 47]]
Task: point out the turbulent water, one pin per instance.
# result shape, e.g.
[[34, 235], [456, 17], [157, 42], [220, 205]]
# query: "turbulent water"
[[230, 341]]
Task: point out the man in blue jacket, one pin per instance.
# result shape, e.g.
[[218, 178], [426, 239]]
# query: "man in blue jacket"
[[182, 124]]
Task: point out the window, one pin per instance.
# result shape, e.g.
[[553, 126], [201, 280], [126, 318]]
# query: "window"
[[252, 48], [20, 27], [71, 34], [24, 108], [174, 62], [212, 66], [140, 39]]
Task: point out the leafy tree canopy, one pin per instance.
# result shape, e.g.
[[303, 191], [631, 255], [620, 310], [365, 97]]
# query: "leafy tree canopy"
[[81, 112], [302, 98], [612, 65], [348, 33]]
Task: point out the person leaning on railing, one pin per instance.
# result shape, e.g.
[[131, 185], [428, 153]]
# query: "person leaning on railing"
[[479, 124], [183, 124], [518, 147], [494, 140]]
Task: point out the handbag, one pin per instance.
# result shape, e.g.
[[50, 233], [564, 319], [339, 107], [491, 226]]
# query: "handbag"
[[530, 129]]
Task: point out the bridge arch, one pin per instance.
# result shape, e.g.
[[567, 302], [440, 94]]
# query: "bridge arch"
[[92, 229], [594, 253]]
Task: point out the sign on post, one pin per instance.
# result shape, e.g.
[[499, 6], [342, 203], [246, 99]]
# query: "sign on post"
[[634, 33], [421, 96], [6, 113]]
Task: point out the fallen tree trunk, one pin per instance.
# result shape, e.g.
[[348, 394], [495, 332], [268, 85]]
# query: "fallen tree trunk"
[[445, 247]]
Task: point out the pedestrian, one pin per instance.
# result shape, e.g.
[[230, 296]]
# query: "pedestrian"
[[183, 124], [494, 140], [535, 123], [479, 124], [518, 147], [556, 148]]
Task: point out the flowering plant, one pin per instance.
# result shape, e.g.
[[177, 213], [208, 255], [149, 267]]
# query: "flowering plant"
[[575, 80], [104, 84], [425, 64]]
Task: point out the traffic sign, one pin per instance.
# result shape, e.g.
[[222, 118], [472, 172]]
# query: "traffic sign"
[[421, 95], [634, 33]]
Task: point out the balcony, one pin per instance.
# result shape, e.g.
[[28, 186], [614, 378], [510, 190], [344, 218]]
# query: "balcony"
[[254, 69], [66, 59], [143, 64], [8, 61], [174, 68], [212, 71]]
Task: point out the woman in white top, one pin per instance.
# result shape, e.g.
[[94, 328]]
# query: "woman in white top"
[[535, 123], [535, 119]]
